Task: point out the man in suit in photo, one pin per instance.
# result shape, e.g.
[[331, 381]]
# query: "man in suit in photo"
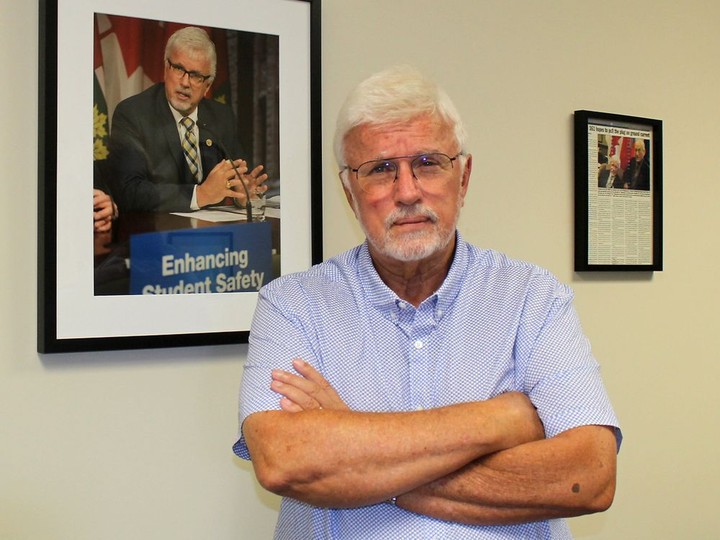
[[170, 146], [637, 173]]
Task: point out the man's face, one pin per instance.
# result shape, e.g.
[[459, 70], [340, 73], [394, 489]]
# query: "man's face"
[[614, 167], [182, 93], [411, 220], [639, 150]]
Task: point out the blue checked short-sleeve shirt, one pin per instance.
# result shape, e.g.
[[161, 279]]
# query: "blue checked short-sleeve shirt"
[[495, 325]]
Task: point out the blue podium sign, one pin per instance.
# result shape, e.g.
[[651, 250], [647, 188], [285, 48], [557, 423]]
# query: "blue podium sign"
[[229, 258]]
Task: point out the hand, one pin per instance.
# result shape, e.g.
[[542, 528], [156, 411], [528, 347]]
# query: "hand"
[[307, 391], [104, 211], [254, 181], [219, 183]]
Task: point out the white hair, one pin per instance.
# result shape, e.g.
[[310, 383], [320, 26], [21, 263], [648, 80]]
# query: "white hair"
[[394, 95], [193, 40]]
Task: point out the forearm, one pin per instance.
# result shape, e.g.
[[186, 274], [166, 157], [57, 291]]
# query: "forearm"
[[348, 459], [568, 475]]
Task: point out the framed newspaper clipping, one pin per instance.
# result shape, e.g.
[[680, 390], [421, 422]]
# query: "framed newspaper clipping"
[[618, 192]]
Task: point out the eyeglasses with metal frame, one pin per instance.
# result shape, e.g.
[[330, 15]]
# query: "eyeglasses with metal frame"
[[179, 71], [379, 174]]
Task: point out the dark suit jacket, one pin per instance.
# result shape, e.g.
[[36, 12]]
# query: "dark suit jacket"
[[148, 171], [637, 175]]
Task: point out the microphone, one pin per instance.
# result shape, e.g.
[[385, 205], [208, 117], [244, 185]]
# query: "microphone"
[[223, 150]]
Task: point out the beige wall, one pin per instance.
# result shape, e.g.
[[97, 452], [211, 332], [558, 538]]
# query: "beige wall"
[[136, 444]]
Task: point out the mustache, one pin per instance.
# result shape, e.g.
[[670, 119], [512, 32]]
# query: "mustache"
[[183, 91], [410, 211]]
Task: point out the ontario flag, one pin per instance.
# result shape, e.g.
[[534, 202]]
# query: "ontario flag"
[[129, 58]]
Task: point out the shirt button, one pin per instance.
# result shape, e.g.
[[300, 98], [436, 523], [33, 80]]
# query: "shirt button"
[[418, 344]]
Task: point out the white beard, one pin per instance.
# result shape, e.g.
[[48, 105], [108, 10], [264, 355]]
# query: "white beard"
[[413, 246]]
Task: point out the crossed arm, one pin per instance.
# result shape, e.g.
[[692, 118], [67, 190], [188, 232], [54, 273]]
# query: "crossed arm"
[[484, 462]]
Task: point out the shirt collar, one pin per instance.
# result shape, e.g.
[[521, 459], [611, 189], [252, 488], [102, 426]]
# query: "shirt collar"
[[385, 300], [177, 116]]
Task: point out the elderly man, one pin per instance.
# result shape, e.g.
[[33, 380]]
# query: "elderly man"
[[610, 176], [168, 144], [637, 173], [417, 386]]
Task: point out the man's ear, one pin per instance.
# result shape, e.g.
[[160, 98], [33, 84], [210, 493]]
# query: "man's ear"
[[465, 180], [208, 87]]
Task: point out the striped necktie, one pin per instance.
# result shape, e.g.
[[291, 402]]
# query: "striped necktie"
[[189, 146]]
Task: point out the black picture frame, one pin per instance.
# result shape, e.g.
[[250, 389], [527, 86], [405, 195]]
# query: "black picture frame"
[[70, 314], [618, 217]]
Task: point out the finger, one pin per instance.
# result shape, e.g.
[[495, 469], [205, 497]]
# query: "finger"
[[301, 383], [236, 174], [257, 170], [102, 226], [320, 389], [101, 212], [239, 164], [258, 178], [309, 394], [101, 201], [289, 405], [259, 181], [297, 397], [309, 372], [255, 183]]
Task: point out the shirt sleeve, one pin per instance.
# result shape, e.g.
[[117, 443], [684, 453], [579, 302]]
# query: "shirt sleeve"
[[277, 337], [561, 375]]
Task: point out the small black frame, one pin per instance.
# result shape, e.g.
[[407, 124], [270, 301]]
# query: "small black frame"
[[618, 192]]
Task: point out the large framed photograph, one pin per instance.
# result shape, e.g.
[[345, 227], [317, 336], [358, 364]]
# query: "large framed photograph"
[[196, 128], [618, 192]]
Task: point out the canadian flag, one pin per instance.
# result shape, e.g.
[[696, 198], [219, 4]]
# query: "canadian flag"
[[623, 149], [129, 57]]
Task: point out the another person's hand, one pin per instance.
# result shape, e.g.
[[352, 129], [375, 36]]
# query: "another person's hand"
[[306, 391], [104, 211]]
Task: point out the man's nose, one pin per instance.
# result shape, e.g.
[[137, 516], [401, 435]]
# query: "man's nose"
[[406, 185]]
